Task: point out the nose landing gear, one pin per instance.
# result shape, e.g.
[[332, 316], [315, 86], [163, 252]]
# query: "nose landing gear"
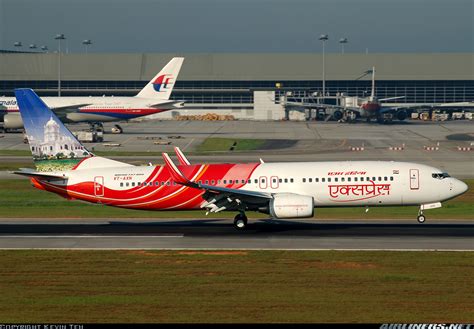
[[421, 218]]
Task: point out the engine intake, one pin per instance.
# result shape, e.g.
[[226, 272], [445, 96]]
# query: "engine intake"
[[289, 205], [12, 121]]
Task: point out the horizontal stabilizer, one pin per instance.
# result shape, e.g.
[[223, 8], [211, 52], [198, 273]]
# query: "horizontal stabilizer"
[[38, 174]]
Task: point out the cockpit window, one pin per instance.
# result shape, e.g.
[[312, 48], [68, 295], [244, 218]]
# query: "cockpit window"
[[442, 175]]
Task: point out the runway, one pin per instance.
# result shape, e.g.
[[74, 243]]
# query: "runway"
[[220, 234]]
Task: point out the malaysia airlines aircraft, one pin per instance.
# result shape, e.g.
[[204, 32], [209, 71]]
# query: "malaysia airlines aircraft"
[[153, 98], [283, 190]]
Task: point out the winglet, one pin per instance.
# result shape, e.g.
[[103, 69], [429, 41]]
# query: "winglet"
[[181, 157], [175, 173]]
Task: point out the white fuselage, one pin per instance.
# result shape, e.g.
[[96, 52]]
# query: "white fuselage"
[[331, 184]]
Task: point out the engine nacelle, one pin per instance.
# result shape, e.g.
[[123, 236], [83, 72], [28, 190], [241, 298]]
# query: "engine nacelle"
[[337, 115], [12, 121], [402, 115], [289, 205]]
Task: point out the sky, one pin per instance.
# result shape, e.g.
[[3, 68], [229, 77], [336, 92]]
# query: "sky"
[[208, 26]]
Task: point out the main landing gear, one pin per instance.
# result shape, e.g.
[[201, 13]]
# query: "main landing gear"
[[421, 218], [240, 221]]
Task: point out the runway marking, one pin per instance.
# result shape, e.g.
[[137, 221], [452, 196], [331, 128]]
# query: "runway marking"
[[187, 145], [91, 236]]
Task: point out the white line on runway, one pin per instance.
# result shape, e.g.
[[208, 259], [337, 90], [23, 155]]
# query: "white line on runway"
[[90, 236]]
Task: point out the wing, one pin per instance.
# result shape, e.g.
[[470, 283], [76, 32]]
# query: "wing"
[[62, 111], [167, 105], [220, 198], [181, 157]]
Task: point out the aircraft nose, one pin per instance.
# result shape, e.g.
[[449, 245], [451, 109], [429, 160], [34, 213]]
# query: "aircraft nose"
[[460, 187]]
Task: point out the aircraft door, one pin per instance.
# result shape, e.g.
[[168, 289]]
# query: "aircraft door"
[[99, 186], [414, 179]]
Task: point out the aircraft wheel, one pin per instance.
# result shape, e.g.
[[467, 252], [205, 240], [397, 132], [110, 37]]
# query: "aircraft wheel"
[[421, 218], [240, 221]]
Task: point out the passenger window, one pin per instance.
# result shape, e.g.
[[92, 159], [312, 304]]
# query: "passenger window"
[[127, 184], [156, 184], [121, 184], [304, 180], [310, 180], [342, 179], [133, 183], [391, 178], [280, 180], [385, 178], [286, 180], [316, 180], [225, 181], [255, 181], [274, 180], [348, 179], [336, 179], [355, 179], [174, 183], [291, 180], [168, 183], [243, 181], [323, 179], [380, 179], [207, 182], [212, 182]]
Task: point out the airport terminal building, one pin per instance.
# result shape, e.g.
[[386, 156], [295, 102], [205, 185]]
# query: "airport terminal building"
[[245, 84]]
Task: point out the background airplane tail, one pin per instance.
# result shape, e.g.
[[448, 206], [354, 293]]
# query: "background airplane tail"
[[53, 146], [161, 86]]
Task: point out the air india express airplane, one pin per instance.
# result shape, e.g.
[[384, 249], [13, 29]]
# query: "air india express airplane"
[[283, 190], [153, 98]]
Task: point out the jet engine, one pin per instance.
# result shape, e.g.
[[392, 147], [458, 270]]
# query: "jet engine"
[[402, 115], [337, 115], [12, 121], [289, 205]]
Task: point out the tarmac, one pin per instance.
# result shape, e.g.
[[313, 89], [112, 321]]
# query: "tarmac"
[[290, 141], [175, 234], [286, 141]]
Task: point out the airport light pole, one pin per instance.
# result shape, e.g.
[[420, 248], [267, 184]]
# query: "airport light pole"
[[59, 37], [324, 38], [32, 46], [86, 43], [44, 48], [343, 41]]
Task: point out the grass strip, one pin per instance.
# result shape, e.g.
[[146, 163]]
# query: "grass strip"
[[236, 286]]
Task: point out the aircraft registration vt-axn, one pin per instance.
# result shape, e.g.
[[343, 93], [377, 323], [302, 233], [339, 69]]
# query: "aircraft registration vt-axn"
[[153, 98], [283, 190]]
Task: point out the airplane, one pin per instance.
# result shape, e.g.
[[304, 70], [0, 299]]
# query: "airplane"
[[153, 98], [351, 108], [283, 190]]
